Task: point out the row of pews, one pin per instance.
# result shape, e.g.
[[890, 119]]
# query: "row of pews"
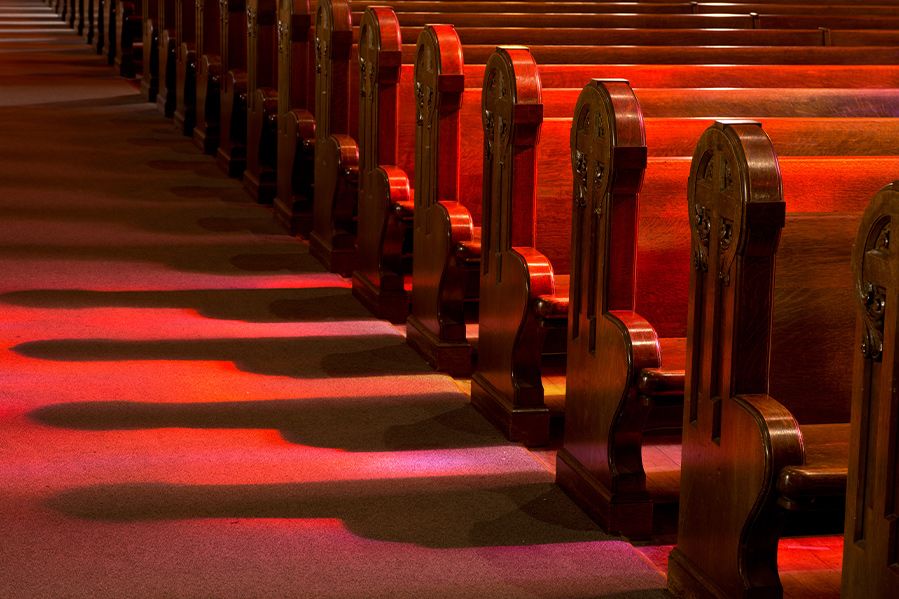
[[657, 223]]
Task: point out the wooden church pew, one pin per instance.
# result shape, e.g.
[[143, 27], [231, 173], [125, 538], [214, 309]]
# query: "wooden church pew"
[[333, 238], [184, 63], [507, 383], [149, 79], [386, 229], [182, 16], [129, 50], [231, 153], [444, 272], [262, 99], [208, 76], [296, 122], [869, 540], [770, 342], [165, 48], [611, 413]]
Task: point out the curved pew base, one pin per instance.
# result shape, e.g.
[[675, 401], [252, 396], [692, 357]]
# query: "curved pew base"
[[206, 141], [232, 161], [529, 426], [338, 257], [148, 90], [455, 359], [262, 188], [387, 304], [290, 215], [684, 580], [632, 518]]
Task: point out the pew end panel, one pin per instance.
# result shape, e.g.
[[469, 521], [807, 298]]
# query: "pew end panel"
[[296, 164], [750, 339], [737, 212], [209, 79], [185, 65], [208, 75], [440, 283], [870, 547], [149, 81], [185, 115], [165, 47], [336, 171], [385, 187], [507, 386], [262, 100], [379, 278], [295, 160], [611, 347], [231, 154]]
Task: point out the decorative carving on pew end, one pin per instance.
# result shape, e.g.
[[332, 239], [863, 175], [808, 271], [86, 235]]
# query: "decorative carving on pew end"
[[295, 159], [263, 37], [336, 169], [208, 103], [600, 463], [735, 437], [382, 260], [186, 95], [870, 547], [507, 386], [441, 283]]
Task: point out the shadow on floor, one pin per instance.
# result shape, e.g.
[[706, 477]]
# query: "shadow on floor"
[[308, 304], [299, 357], [289, 256], [397, 423], [440, 512]]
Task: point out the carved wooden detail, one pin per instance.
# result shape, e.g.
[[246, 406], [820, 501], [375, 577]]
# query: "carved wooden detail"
[[871, 543], [336, 154], [296, 129], [600, 464], [507, 385], [384, 186], [440, 283]]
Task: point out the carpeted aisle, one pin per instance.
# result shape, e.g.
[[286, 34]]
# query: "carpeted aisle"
[[190, 407]]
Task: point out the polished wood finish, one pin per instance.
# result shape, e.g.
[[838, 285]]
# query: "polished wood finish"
[[165, 48], [185, 65], [332, 239], [231, 154], [296, 122], [515, 274], [149, 80], [209, 75], [262, 99], [129, 41], [384, 161], [765, 438], [870, 542]]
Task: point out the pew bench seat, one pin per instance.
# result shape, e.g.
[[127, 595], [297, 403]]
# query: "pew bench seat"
[[554, 306], [665, 384], [823, 474]]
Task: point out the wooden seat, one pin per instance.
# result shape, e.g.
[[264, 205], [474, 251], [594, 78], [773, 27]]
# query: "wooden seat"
[[869, 539], [823, 474]]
